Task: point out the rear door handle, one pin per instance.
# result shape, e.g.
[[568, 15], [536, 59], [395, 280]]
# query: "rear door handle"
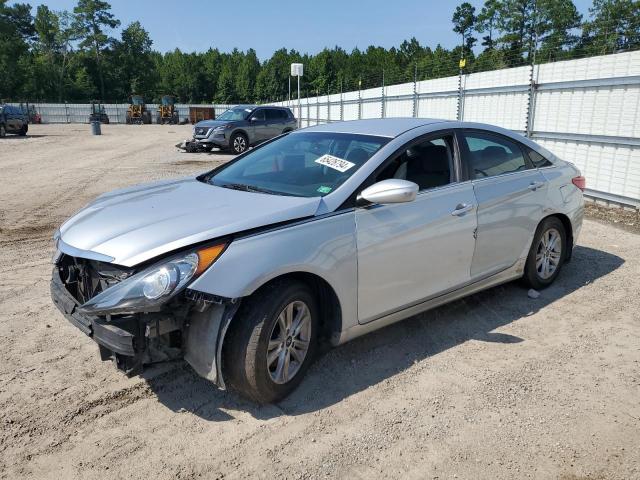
[[461, 209], [535, 185]]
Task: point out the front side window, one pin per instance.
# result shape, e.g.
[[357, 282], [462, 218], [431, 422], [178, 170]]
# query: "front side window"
[[311, 164], [491, 155], [429, 164], [234, 114], [259, 115]]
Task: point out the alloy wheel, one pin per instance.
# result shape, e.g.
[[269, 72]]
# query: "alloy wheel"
[[289, 342], [548, 253], [239, 144]]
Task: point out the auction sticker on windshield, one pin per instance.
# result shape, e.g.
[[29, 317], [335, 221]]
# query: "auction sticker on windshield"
[[334, 162]]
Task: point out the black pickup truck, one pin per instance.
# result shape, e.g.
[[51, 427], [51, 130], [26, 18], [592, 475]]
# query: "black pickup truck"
[[13, 120]]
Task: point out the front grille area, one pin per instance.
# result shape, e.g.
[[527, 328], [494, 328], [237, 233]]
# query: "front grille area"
[[84, 279]]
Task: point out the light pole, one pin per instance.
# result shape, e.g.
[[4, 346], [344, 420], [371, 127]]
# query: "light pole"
[[297, 71]]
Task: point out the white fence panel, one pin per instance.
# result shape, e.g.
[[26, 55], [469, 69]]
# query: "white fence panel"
[[508, 110]]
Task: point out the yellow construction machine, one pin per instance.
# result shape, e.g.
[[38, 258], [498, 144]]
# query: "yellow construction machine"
[[137, 111], [167, 111]]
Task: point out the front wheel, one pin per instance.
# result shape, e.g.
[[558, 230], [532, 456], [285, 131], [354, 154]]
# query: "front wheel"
[[547, 254], [239, 143], [23, 131], [272, 342]]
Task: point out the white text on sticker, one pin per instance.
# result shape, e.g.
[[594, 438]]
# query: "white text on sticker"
[[335, 163]]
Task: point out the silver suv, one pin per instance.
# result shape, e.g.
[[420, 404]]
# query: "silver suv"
[[243, 126]]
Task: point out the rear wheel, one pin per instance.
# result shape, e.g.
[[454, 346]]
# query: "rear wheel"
[[23, 131], [272, 342], [547, 254], [239, 143]]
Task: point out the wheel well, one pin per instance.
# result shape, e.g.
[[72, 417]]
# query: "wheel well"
[[568, 228], [328, 303], [241, 132]]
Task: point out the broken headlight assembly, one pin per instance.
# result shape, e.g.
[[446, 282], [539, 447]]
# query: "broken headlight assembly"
[[155, 285]]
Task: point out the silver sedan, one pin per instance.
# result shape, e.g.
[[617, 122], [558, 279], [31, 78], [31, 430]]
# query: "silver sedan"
[[317, 236]]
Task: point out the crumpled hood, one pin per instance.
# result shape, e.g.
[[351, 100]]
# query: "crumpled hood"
[[136, 224]]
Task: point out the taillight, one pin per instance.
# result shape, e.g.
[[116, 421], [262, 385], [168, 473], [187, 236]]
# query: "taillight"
[[579, 182]]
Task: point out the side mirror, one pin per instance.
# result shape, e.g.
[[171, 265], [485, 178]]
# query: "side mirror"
[[393, 190], [253, 119]]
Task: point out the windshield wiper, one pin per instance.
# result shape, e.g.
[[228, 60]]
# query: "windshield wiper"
[[249, 188]]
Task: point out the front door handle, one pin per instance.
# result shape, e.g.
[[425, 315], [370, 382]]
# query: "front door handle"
[[535, 185], [461, 209]]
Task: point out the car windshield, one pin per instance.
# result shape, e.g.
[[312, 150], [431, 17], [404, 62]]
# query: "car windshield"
[[235, 114], [304, 164]]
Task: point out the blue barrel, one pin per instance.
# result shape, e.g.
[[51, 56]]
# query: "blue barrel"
[[95, 128]]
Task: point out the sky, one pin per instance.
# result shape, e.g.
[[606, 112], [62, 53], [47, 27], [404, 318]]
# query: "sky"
[[304, 25]]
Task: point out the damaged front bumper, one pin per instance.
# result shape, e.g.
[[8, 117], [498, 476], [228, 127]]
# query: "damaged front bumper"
[[192, 328]]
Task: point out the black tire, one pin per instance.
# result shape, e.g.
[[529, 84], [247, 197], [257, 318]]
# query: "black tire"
[[3, 131], [238, 143], [23, 131], [245, 349], [533, 276]]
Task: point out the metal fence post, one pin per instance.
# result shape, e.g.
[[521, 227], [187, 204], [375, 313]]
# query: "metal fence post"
[[341, 104], [531, 101], [66, 111], [415, 91], [382, 107], [359, 99]]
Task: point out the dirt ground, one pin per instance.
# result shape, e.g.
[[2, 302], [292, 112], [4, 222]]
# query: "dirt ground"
[[496, 386]]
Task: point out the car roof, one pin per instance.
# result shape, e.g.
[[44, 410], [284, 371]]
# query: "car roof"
[[381, 127]]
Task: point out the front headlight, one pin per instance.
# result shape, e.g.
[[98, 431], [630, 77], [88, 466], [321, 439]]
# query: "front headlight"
[[155, 285]]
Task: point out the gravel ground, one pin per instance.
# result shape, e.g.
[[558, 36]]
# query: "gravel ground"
[[496, 386]]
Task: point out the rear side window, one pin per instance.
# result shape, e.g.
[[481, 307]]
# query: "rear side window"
[[491, 155], [273, 114], [538, 160]]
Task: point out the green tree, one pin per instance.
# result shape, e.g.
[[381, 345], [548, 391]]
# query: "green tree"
[[246, 75], [555, 25], [614, 26], [92, 17], [16, 31], [464, 19], [487, 20], [134, 63]]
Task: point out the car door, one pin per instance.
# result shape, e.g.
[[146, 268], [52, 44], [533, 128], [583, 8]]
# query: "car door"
[[258, 126], [274, 123], [510, 195], [410, 252]]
